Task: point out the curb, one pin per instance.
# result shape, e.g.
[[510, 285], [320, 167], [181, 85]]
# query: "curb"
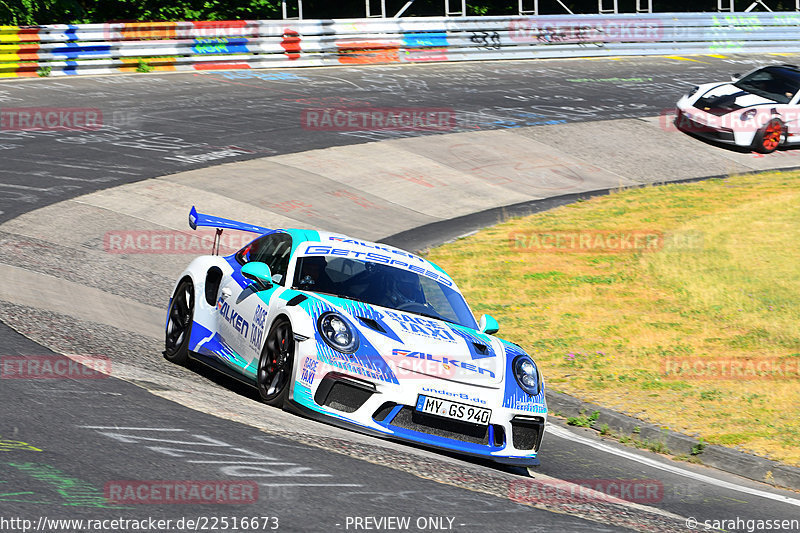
[[720, 457]]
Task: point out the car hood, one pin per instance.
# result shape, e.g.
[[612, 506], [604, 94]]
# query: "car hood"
[[419, 347], [726, 98]]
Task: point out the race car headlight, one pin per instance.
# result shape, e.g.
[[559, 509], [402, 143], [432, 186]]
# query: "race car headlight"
[[747, 115], [692, 91], [337, 333], [527, 374]]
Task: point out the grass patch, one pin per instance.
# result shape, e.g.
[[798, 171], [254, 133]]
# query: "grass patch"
[[723, 284], [143, 66], [582, 420]]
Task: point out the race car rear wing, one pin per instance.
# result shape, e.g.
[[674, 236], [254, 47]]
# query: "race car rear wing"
[[199, 219]]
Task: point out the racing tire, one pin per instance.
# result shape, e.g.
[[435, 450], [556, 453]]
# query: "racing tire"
[[768, 138], [274, 374], [179, 323]]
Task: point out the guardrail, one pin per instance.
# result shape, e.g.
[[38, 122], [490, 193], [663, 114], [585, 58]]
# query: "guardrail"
[[60, 49]]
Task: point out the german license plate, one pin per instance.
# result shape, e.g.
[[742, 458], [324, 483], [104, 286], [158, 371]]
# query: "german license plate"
[[455, 410]]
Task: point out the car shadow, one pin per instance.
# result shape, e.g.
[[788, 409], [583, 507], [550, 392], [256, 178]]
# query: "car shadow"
[[730, 147], [236, 386]]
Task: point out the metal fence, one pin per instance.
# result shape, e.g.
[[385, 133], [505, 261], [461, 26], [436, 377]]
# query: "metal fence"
[[58, 50], [458, 8]]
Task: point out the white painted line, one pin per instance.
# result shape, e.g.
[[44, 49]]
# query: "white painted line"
[[311, 485], [131, 429], [265, 463], [558, 431]]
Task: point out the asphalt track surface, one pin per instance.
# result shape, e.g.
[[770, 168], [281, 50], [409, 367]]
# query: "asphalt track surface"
[[156, 125]]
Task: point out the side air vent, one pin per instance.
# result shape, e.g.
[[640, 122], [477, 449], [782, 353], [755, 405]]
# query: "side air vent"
[[300, 298], [341, 393], [371, 324], [482, 349], [213, 279], [527, 432], [383, 411], [499, 435]]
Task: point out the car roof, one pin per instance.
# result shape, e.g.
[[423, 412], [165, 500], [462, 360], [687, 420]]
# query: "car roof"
[[300, 236]]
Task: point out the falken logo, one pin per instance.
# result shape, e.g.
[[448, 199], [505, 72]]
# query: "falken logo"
[[443, 360], [232, 317]]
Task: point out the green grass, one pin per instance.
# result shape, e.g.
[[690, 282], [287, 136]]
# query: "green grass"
[[582, 420], [723, 285]]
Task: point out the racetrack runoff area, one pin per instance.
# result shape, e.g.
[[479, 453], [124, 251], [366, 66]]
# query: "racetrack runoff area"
[[83, 296], [367, 191], [674, 303]]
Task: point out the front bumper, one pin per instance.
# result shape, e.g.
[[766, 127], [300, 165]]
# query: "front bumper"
[[708, 126], [511, 437]]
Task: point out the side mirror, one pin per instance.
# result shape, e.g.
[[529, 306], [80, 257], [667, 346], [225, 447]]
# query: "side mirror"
[[258, 272], [736, 77], [488, 325]]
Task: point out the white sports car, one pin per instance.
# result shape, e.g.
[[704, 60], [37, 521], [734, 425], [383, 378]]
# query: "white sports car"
[[360, 334], [759, 111]]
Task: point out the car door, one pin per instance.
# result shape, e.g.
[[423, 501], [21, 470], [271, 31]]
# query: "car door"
[[243, 307]]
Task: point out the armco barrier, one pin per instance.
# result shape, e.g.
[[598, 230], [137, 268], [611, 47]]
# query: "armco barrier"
[[122, 47]]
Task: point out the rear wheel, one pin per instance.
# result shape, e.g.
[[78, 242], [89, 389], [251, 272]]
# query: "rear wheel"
[[179, 323], [768, 138], [275, 364]]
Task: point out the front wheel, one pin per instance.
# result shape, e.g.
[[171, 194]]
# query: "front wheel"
[[768, 138], [179, 323], [275, 364]]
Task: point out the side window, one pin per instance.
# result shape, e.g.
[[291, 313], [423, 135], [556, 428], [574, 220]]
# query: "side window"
[[273, 249]]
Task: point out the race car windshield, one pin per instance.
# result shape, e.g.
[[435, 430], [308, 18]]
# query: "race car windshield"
[[775, 83], [383, 285]]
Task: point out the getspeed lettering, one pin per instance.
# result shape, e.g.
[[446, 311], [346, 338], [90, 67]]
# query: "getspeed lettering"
[[316, 249], [378, 247]]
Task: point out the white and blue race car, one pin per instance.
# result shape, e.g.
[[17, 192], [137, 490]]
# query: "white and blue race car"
[[358, 334]]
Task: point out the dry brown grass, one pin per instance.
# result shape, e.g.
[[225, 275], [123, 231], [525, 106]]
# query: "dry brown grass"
[[726, 285]]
